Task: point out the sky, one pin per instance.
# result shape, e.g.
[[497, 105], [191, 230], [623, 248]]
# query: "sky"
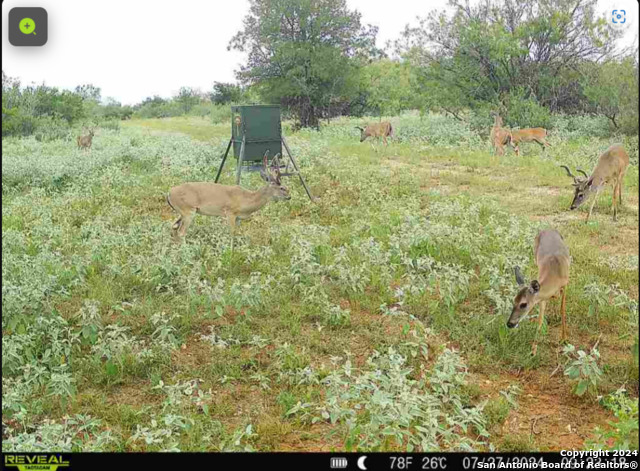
[[133, 49]]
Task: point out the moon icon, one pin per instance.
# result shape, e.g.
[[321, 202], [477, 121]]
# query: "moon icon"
[[361, 462]]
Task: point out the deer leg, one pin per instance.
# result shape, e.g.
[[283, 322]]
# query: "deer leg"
[[620, 190], [613, 202], [534, 347], [563, 313], [175, 227], [185, 223], [595, 197], [231, 218]]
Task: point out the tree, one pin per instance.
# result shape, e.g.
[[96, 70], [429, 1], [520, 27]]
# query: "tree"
[[89, 92], [187, 98], [304, 54], [612, 90], [388, 86], [224, 93], [482, 53]]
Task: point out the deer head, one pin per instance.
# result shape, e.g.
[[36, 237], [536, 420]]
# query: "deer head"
[[272, 176], [583, 187], [524, 301]]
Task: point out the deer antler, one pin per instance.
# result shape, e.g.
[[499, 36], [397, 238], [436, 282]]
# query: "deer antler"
[[582, 172], [275, 164], [264, 172], [575, 179], [568, 171]]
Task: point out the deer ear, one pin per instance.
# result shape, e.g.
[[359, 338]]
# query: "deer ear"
[[535, 287], [519, 277]]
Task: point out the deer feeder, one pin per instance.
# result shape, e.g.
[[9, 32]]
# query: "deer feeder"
[[256, 131]]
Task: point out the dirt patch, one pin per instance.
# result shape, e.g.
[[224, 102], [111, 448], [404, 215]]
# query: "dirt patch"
[[552, 417], [317, 437], [134, 395]]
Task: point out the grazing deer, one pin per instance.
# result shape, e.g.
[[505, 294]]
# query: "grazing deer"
[[552, 258], [611, 168], [378, 130], [499, 136], [538, 135], [232, 202], [84, 142]]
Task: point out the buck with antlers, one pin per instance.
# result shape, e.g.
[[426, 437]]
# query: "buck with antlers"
[[84, 142], [229, 201], [538, 135], [552, 258], [611, 167], [378, 130], [499, 136]]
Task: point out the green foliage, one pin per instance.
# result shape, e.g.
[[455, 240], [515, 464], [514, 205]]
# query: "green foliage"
[[486, 52], [225, 93], [583, 368], [399, 410], [388, 87], [524, 111], [612, 90], [623, 433]]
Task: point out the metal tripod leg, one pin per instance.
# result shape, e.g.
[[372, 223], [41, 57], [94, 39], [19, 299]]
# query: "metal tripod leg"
[[297, 169], [224, 159]]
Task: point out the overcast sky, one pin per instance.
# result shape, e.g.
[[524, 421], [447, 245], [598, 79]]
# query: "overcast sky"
[[133, 49]]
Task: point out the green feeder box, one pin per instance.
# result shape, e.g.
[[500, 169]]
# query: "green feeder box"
[[256, 131]]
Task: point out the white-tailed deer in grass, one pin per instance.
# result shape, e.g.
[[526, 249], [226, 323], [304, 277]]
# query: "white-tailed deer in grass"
[[84, 142], [611, 167], [538, 135], [499, 136], [229, 201], [552, 258], [377, 130]]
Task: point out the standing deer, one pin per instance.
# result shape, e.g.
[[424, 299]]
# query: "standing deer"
[[499, 136], [84, 142], [611, 168], [552, 258], [529, 135], [230, 201], [378, 130]]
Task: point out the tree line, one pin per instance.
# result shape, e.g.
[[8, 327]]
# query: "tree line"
[[524, 59]]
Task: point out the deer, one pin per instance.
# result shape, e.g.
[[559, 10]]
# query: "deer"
[[538, 135], [377, 130], [499, 136], [84, 142], [552, 258], [229, 201], [611, 167]]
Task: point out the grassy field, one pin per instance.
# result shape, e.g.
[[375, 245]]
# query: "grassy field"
[[371, 319]]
